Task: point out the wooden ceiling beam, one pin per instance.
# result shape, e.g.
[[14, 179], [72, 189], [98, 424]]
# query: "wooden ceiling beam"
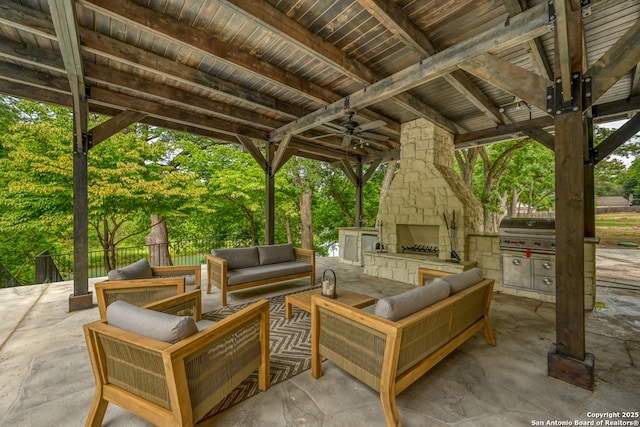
[[114, 125], [395, 20], [529, 24], [502, 131], [619, 137], [533, 47], [37, 23], [204, 105], [271, 19], [621, 58], [543, 137], [248, 144], [148, 20], [566, 17], [509, 77], [63, 16], [62, 98]]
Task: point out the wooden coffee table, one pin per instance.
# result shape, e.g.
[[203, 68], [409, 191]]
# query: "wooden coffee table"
[[345, 296]]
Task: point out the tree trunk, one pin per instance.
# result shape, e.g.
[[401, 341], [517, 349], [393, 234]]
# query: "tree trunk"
[[157, 242], [306, 219], [287, 222], [386, 183], [467, 161]]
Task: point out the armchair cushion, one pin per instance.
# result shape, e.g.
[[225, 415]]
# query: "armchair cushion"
[[276, 254], [401, 305], [150, 323], [138, 270], [238, 257], [463, 280]]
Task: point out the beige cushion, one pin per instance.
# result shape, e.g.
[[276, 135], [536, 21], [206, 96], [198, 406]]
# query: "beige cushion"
[[276, 254], [463, 280], [238, 257], [401, 305], [138, 270], [150, 323]]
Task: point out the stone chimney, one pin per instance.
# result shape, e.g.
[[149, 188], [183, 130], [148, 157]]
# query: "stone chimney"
[[425, 190]]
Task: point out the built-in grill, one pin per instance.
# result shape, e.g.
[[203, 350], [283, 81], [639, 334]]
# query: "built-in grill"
[[534, 268], [533, 235]]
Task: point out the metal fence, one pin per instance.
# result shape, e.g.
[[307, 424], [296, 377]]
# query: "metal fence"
[[58, 267]]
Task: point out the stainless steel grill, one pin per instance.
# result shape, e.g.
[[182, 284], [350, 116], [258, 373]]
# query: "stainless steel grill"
[[529, 236], [532, 235]]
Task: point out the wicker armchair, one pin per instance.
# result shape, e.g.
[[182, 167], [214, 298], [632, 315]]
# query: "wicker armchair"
[[177, 384], [140, 284]]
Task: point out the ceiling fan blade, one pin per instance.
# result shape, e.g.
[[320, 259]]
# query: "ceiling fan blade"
[[372, 125], [346, 140], [325, 136], [373, 136]]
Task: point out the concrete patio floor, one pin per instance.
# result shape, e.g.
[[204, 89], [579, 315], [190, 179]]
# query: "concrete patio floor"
[[46, 378]]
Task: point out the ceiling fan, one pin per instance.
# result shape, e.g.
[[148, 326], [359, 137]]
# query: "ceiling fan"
[[351, 128]]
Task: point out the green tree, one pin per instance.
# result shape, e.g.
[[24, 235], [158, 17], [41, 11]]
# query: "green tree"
[[127, 182]]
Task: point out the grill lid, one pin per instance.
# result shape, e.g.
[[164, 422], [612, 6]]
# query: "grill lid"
[[528, 234], [528, 226]]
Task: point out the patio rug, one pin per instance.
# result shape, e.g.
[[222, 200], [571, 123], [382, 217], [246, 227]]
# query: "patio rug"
[[290, 344]]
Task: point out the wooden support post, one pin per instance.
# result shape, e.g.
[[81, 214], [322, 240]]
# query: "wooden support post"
[[81, 297], [567, 359], [269, 204]]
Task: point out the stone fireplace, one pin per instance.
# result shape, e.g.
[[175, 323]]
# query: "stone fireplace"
[[425, 190]]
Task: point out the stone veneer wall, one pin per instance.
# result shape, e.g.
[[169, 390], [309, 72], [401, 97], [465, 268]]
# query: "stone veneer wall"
[[426, 187], [485, 250]]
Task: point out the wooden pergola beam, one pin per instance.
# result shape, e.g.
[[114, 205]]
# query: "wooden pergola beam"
[[396, 21], [513, 79], [533, 47], [114, 125], [619, 137], [527, 25], [623, 56]]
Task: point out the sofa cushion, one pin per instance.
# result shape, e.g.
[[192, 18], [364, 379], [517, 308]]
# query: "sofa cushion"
[[238, 257], [150, 323], [263, 272], [275, 254], [463, 280], [138, 270], [401, 305]]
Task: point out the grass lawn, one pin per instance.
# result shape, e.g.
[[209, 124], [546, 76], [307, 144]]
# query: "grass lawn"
[[618, 227]]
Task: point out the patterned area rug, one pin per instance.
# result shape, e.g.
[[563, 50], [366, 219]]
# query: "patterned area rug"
[[290, 344]]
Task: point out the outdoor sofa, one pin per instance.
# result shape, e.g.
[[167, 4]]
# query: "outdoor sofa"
[[164, 364], [240, 268], [141, 284], [391, 344]]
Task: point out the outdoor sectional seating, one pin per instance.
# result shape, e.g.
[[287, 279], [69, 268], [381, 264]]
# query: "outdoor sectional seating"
[[141, 284], [391, 344], [240, 268], [169, 367]]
